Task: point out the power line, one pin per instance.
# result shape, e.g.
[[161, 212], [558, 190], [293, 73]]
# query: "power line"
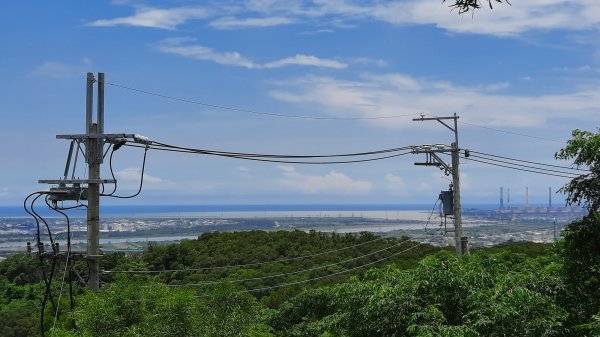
[[265, 158], [293, 272], [248, 264], [336, 273], [520, 165], [514, 133], [518, 168], [251, 111], [216, 152], [527, 161]]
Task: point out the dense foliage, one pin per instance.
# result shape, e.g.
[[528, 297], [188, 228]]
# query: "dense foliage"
[[516, 289], [584, 150]]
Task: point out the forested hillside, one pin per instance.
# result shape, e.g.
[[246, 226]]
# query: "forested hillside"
[[518, 289]]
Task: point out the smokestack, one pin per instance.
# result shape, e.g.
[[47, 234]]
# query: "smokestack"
[[501, 198], [508, 197], [549, 197], [526, 197]]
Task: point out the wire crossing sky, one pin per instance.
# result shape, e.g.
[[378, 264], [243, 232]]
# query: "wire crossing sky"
[[307, 77]]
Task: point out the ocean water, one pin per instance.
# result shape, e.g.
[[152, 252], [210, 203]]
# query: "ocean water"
[[270, 210]]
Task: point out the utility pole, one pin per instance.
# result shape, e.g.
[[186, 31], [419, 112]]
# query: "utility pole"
[[94, 149], [461, 242], [94, 139]]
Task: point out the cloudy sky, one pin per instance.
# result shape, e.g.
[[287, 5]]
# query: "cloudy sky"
[[520, 77]]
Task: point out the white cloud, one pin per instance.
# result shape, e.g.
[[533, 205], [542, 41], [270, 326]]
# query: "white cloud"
[[503, 20], [395, 183], [132, 173], [184, 47], [400, 95], [177, 46], [155, 18], [236, 23], [331, 183], [62, 70], [305, 60]]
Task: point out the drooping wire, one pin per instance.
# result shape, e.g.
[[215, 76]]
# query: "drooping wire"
[[293, 272], [519, 168], [42, 219], [68, 260], [266, 158], [336, 273], [141, 178], [431, 213], [514, 133], [285, 156], [527, 161], [250, 111], [329, 275], [496, 160], [62, 283], [251, 264], [47, 280]]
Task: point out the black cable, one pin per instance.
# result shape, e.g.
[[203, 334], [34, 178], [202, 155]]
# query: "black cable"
[[32, 215], [527, 161], [141, 181], [216, 152], [252, 111], [519, 169], [271, 160], [319, 163], [42, 219], [520, 165], [112, 173], [48, 294], [68, 260]]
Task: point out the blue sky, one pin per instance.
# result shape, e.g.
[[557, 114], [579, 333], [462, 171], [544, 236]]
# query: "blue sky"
[[520, 77]]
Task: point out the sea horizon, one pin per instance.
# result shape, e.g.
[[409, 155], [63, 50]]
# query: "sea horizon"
[[150, 210]]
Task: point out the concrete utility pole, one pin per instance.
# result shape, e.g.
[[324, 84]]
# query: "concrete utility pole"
[[461, 241], [94, 149], [78, 190]]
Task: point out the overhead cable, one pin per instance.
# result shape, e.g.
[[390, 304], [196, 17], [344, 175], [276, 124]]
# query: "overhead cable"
[[520, 168], [514, 133], [251, 111], [496, 160], [249, 264], [268, 157], [334, 274], [293, 272], [527, 161]]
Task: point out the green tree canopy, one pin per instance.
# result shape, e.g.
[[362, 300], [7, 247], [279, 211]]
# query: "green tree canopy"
[[584, 150]]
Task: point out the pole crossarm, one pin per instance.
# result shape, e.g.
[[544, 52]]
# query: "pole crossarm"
[[433, 159], [440, 120], [105, 136], [76, 181]]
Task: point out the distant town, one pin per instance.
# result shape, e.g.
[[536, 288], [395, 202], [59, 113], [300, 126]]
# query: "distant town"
[[484, 227]]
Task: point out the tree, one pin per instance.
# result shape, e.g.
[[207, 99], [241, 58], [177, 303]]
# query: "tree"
[[582, 237], [584, 150], [465, 6]]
